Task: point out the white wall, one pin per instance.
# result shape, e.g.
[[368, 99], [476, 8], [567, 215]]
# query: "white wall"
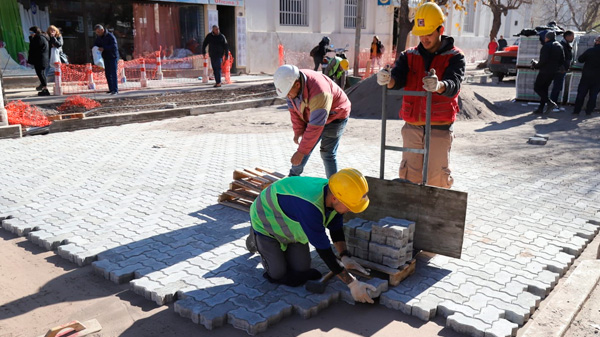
[[325, 18]]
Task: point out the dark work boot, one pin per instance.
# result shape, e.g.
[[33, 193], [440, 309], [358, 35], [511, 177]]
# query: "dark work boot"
[[251, 242]]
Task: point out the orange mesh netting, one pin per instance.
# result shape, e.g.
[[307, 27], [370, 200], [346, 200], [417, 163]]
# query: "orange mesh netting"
[[25, 114], [78, 101]]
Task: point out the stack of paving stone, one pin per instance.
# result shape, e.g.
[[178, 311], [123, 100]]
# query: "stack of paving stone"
[[388, 242]]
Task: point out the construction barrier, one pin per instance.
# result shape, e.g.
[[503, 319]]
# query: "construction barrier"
[[25, 114], [226, 68], [149, 71], [281, 55], [57, 79]]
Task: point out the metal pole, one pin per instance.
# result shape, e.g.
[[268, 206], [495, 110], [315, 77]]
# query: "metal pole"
[[3, 115], [427, 138], [359, 14], [383, 127]]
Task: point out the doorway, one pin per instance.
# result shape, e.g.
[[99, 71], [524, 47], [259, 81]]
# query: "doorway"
[[227, 27]]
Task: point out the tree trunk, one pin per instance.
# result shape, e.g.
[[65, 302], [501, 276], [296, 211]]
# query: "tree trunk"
[[404, 27], [496, 22]]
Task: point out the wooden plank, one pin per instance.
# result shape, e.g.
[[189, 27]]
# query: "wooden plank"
[[237, 174], [236, 204], [240, 194], [239, 183], [270, 178], [439, 213], [406, 271], [273, 173], [394, 276]]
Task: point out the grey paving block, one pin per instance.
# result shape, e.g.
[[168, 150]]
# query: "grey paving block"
[[426, 308], [447, 308], [396, 301], [277, 311], [527, 300], [512, 312], [212, 317], [364, 231], [489, 314], [467, 325], [243, 319], [502, 328]]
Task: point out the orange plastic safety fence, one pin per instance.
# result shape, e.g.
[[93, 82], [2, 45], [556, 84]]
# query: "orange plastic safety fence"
[[78, 101], [25, 114]]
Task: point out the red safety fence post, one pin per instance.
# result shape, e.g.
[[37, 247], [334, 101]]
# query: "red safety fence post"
[[90, 77], [205, 69], [227, 68], [280, 55], [143, 79], [57, 79], [123, 77]]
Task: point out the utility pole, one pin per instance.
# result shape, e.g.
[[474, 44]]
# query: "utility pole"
[[359, 17], [3, 115]]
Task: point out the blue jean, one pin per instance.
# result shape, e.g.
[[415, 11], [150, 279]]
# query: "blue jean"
[[110, 70], [330, 140], [216, 65], [559, 78]]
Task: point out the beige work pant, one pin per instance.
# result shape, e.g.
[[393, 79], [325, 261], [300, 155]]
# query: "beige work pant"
[[411, 167]]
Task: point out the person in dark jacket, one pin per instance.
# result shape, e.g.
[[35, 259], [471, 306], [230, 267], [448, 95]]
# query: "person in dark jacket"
[[217, 49], [107, 44], [320, 52], [502, 43], [559, 78], [39, 57], [552, 58], [590, 79]]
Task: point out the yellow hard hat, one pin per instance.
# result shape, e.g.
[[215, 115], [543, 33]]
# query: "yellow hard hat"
[[350, 187], [427, 19], [344, 64]]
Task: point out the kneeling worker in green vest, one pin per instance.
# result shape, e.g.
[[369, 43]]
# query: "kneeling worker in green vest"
[[295, 211]]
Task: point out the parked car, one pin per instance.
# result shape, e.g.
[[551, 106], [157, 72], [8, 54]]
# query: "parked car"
[[504, 63]]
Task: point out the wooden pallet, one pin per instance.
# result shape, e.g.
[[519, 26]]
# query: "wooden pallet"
[[59, 117], [394, 276], [246, 186]]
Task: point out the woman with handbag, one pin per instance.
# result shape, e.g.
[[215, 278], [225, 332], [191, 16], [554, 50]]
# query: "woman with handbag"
[[56, 41], [38, 57]]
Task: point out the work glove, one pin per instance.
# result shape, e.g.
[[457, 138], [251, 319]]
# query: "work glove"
[[384, 76], [350, 263], [431, 82], [359, 291]]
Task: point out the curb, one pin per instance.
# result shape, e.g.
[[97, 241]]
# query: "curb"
[[149, 116], [555, 319], [10, 131]]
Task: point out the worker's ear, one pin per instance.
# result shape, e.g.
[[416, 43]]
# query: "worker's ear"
[[442, 29]]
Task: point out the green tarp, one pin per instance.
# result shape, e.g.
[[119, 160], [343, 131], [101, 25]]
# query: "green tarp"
[[10, 28]]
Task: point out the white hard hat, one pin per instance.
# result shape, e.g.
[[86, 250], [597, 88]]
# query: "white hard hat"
[[284, 78]]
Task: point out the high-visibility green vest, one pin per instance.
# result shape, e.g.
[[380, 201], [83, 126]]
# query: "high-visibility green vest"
[[268, 218], [337, 69]]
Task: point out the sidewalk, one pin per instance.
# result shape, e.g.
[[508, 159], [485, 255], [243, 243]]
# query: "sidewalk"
[[29, 95], [138, 203]]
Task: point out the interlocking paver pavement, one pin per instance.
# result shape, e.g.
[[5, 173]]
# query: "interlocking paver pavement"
[[139, 203]]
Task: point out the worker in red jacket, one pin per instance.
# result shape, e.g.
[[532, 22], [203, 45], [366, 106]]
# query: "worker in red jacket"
[[319, 110], [437, 66]]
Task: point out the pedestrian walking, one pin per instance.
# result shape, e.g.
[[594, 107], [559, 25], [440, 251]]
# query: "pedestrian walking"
[[107, 44], [217, 50], [590, 79], [377, 50], [502, 43], [337, 71], [437, 66], [294, 211], [492, 48], [318, 52], [552, 57], [39, 55], [559, 77], [56, 41], [319, 110]]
